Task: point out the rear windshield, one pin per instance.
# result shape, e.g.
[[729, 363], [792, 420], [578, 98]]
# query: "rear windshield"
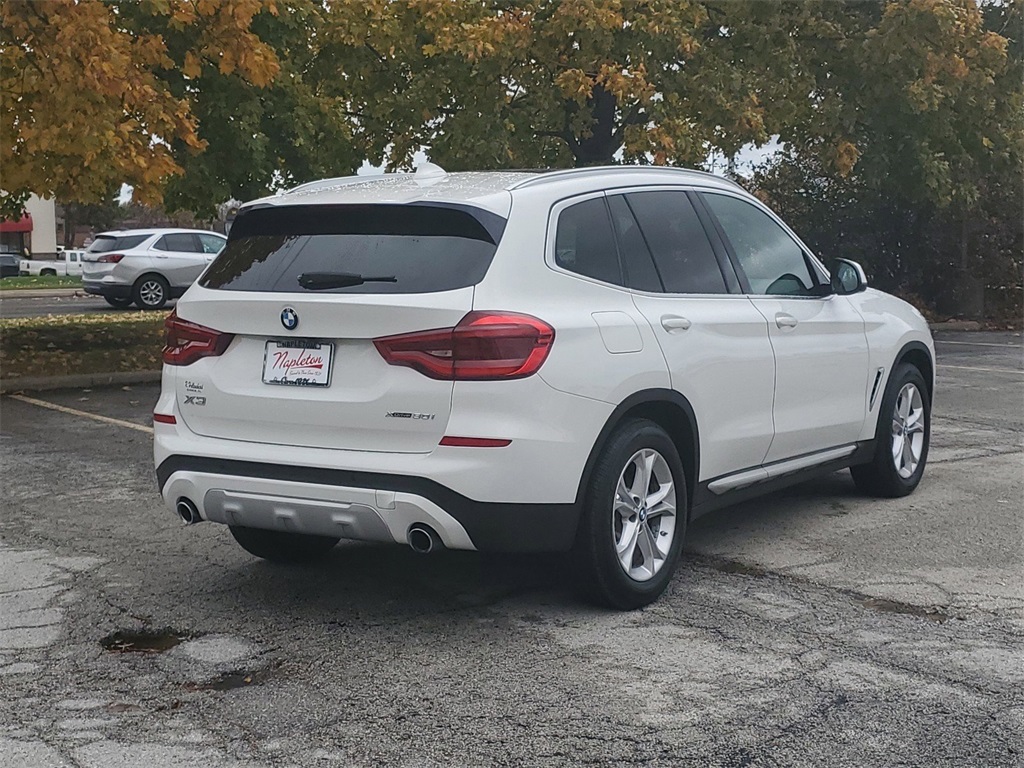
[[414, 248], [104, 243]]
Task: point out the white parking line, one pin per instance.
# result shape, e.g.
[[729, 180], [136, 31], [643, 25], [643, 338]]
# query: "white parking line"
[[980, 344], [986, 370], [85, 414]]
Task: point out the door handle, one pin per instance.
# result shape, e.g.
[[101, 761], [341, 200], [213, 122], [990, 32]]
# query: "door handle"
[[674, 323], [785, 321]]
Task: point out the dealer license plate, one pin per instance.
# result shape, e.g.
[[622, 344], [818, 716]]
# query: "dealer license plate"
[[298, 362]]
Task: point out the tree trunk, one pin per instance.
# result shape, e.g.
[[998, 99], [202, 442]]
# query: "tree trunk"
[[600, 146], [970, 293]]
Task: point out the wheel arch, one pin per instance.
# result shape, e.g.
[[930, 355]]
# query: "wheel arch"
[[673, 413], [150, 273], [918, 355]]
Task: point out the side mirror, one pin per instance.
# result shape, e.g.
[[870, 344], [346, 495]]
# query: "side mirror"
[[848, 277]]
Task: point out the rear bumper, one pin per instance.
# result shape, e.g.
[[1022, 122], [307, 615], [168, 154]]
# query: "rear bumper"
[[359, 505], [107, 290]]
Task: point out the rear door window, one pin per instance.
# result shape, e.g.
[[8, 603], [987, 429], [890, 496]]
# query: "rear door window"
[[181, 242], [641, 273], [678, 242], [392, 248]]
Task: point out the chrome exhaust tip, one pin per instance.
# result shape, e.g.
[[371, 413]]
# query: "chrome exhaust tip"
[[424, 539], [187, 511]]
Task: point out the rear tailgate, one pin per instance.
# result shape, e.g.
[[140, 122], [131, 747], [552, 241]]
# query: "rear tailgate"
[[367, 404], [401, 269]]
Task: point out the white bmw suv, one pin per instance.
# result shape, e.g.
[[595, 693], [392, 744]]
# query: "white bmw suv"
[[581, 360]]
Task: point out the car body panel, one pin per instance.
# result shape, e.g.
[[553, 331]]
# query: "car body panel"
[[821, 364]]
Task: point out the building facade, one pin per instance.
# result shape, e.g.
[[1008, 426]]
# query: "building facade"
[[35, 233]]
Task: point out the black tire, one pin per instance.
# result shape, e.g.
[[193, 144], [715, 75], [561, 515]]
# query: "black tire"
[[880, 477], [119, 303], [48, 273], [282, 546], [150, 292], [601, 577]]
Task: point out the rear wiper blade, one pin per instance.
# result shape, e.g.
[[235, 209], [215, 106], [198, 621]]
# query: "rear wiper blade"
[[320, 281]]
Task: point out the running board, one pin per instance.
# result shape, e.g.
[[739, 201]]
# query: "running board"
[[772, 471]]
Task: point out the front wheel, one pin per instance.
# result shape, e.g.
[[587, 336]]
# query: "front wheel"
[[634, 521], [150, 292], [282, 546], [901, 438]]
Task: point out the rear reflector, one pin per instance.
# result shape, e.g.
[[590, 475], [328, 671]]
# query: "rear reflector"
[[186, 342], [474, 442], [484, 346], [164, 418], [110, 258]]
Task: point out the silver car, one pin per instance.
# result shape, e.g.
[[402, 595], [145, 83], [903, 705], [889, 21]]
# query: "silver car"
[[147, 267]]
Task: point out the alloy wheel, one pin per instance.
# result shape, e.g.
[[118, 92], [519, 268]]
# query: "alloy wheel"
[[644, 515], [908, 430], [151, 293]]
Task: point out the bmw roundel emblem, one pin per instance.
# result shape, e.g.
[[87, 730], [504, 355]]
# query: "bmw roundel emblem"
[[289, 318]]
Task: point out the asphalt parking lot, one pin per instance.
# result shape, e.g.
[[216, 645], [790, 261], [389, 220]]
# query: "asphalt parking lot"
[[814, 627]]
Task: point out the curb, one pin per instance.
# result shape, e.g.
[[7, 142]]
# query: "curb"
[[78, 381], [957, 325], [43, 293]]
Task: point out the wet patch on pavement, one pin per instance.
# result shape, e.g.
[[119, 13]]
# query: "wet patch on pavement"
[[144, 640], [895, 606]]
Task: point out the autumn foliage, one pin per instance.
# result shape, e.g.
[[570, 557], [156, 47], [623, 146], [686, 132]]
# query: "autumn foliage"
[[915, 105], [84, 103]]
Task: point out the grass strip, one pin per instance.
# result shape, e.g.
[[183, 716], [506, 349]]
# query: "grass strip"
[[39, 281], [61, 345]]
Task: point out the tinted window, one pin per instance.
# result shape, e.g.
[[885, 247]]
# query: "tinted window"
[[182, 241], [678, 242], [104, 243], [773, 262], [211, 243], [584, 242], [636, 258], [426, 248]]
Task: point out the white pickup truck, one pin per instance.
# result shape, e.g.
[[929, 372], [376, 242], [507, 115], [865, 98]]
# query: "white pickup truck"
[[66, 263]]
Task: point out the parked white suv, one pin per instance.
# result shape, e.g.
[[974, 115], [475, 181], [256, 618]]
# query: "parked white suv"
[[147, 266], [578, 360]]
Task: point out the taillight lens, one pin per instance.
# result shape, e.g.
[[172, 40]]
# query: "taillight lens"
[[483, 346], [186, 342], [110, 258]]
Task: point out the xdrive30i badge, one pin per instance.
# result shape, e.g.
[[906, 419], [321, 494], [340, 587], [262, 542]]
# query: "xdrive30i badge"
[[407, 415]]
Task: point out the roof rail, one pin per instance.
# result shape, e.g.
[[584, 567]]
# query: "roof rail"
[[550, 176]]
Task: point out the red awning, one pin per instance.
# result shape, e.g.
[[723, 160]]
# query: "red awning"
[[24, 224]]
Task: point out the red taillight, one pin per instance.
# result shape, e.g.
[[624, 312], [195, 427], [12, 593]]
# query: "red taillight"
[[110, 258], [475, 442], [164, 418], [483, 346], [186, 342]]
